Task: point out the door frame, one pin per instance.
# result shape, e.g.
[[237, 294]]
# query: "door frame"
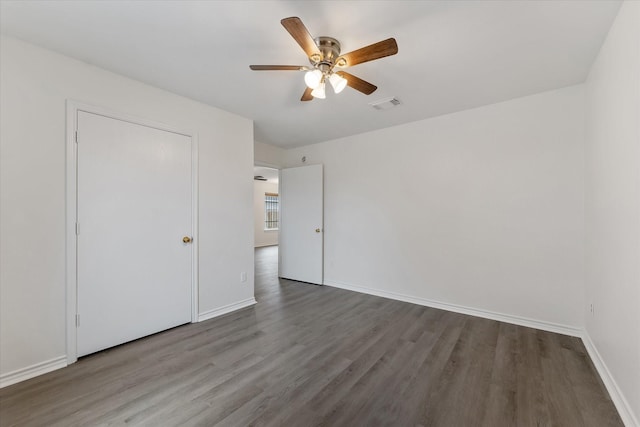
[[71, 196]]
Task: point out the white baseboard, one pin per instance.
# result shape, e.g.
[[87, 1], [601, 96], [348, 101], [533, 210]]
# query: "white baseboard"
[[32, 371], [507, 318], [226, 309], [623, 407]]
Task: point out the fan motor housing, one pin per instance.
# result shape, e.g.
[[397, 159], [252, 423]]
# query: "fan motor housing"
[[329, 48]]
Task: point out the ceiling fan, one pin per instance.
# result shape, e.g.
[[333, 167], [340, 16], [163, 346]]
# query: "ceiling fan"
[[324, 56]]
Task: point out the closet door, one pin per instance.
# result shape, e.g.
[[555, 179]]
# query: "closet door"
[[134, 232]]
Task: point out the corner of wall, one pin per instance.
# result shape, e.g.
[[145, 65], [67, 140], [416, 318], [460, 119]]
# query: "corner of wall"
[[617, 397]]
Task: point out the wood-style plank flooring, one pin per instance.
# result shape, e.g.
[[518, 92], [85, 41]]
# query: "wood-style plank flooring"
[[310, 355]]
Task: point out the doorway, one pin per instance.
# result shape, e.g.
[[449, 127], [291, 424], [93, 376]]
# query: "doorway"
[[266, 206]]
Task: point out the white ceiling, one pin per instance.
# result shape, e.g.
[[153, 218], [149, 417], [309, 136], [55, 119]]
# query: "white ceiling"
[[453, 55]]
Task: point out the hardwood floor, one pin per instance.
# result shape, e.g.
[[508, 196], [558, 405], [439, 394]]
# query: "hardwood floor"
[[309, 355]]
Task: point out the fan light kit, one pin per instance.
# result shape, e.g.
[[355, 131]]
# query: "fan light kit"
[[316, 81], [324, 56]]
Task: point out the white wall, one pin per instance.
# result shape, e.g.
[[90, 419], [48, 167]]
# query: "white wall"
[[35, 83], [481, 208], [262, 237], [613, 206], [267, 155]]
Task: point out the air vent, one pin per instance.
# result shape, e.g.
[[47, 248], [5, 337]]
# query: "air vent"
[[259, 178], [385, 104]]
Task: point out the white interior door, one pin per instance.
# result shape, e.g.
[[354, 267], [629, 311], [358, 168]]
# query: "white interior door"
[[301, 222], [134, 272]]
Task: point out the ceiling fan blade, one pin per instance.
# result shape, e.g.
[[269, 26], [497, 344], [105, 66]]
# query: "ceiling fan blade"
[[357, 83], [299, 32], [378, 50], [277, 67], [306, 96]]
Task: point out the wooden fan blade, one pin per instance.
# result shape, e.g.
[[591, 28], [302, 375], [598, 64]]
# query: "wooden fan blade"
[[357, 83], [378, 50], [299, 32], [306, 96], [277, 67]]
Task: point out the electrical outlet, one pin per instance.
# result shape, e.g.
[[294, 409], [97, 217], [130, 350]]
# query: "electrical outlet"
[[243, 276]]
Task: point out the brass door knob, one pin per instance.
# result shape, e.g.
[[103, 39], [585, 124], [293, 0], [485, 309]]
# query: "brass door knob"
[[186, 239], [317, 230]]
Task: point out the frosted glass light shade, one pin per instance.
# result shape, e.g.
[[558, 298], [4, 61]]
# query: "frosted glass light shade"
[[319, 92], [338, 82], [313, 78]]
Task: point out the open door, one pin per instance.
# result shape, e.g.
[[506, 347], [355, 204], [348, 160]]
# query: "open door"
[[301, 222]]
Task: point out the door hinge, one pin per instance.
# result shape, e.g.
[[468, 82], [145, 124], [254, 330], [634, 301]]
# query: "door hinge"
[[77, 228], [76, 137], [77, 320]]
